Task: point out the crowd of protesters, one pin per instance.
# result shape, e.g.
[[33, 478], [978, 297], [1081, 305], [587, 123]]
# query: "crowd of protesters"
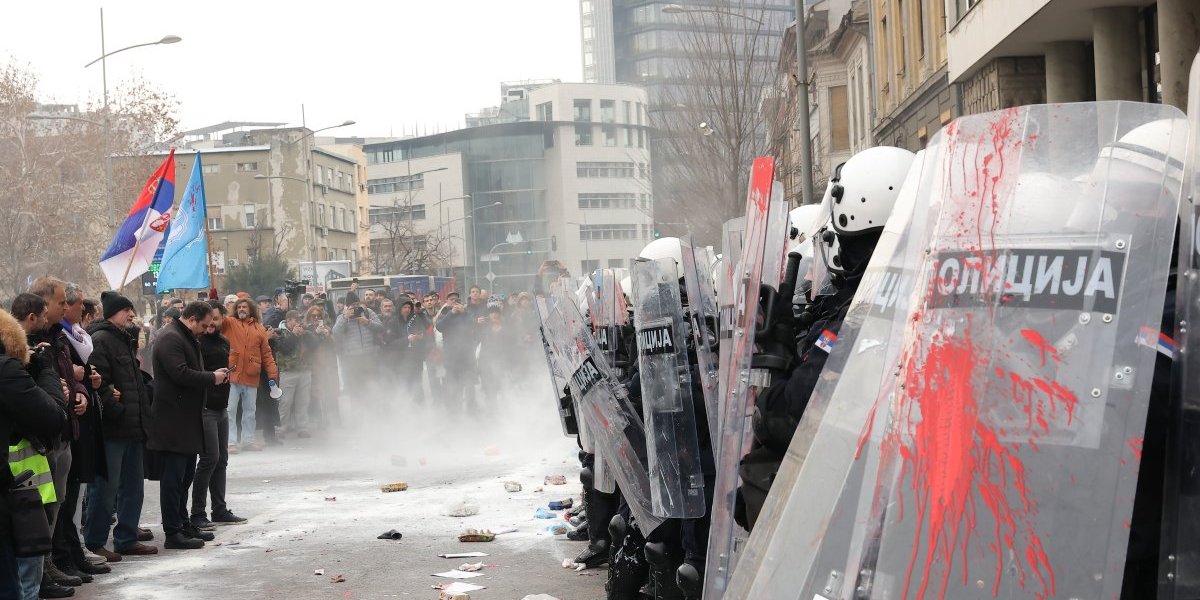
[[96, 400]]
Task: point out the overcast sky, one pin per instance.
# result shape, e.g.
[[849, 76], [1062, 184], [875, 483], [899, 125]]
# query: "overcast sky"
[[387, 65]]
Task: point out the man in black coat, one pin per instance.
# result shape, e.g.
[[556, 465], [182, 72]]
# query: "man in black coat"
[[125, 406], [176, 426]]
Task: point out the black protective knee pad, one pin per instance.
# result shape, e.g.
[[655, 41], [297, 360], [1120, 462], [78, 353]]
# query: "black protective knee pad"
[[690, 579], [617, 528], [587, 478], [656, 554]]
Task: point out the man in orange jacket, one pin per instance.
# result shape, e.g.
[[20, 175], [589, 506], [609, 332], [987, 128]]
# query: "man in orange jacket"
[[249, 354]]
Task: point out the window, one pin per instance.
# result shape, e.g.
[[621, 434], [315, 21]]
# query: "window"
[[607, 200], [628, 136], [639, 113], [387, 185], [628, 112], [247, 167], [332, 216], [394, 214], [211, 169], [340, 223], [321, 215], [380, 156], [604, 169], [641, 138], [329, 176], [610, 135], [643, 172], [214, 223], [583, 110], [353, 221], [250, 216], [839, 127], [608, 111], [645, 202], [607, 232], [545, 111], [583, 135], [616, 263], [347, 215], [338, 180]]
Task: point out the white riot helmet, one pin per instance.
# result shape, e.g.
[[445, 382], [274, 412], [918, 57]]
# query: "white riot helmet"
[[667, 247], [804, 220], [864, 189]]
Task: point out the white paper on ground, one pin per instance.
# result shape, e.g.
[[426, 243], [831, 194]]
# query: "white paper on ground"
[[463, 555], [458, 587], [456, 574]]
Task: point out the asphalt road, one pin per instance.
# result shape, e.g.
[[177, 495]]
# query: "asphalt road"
[[296, 527]]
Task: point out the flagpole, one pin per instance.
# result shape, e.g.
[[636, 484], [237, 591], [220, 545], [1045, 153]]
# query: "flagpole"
[[137, 238]]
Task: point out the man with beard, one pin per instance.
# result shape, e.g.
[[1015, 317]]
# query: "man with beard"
[[249, 355]]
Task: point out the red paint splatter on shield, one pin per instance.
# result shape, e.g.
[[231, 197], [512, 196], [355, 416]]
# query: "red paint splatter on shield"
[[1040, 343], [1135, 446]]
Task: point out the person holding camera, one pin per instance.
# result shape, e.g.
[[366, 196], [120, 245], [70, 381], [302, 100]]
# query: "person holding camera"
[[32, 417], [460, 337], [356, 331], [294, 348]]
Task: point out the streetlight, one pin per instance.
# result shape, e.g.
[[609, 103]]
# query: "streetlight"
[[802, 125], [104, 54], [308, 183], [474, 241]]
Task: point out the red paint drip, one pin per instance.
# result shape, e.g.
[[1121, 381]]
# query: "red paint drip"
[[1038, 342], [1135, 445], [955, 461]]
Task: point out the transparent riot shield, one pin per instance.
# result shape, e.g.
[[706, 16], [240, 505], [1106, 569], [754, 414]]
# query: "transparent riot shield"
[[617, 431], [609, 312], [672, 443], [739, 317], [998, 456], [702, 315], [1179, 555]]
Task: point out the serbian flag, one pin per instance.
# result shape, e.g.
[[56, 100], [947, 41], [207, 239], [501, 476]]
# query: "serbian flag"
[[185, 259], [132, 250]]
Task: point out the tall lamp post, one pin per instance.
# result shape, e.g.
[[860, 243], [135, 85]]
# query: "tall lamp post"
[[104, 54], [474, 242], [802, 124]]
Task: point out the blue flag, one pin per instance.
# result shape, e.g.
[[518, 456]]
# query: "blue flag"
[[185, 259]]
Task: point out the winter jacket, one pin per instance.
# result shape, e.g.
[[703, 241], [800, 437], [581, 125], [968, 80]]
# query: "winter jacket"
[[180, 392], [295, 352], [214, 349], [27, 410], [58, 355], [114, 357], [460, 335], [249, 351], [88, 459], [356, 339]]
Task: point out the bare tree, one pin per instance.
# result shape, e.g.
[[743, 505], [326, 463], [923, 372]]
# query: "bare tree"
[[54, 215], [708, 119], [402, 248]]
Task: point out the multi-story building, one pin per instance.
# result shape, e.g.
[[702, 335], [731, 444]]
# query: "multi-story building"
[[261, 199], [913, 95], [1009, 53], [568, 180], [840, 101]]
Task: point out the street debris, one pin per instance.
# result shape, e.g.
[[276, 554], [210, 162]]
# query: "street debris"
[[544, 514], [476, 535], [331, 498], [556, 480], [562, 504], [471, 567], [453, 596], [539, 597], [557, 529], [467, 507], [463, 555], [570, 564], [503, 530], [456, 574], [399, 486], [512, 487], [539, 489], [319, 572], [458, 587], [338, 579], [390, 534]]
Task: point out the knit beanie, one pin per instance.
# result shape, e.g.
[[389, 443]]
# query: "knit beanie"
[[114, 303]]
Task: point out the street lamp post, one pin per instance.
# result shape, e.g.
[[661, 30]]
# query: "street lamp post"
[[103, 60], [475, 242], [802, 125]]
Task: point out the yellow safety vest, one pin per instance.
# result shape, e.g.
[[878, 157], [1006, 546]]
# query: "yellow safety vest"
[[23, 457]]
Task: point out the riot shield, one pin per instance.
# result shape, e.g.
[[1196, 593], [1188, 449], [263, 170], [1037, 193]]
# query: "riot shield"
[[702, 316], [619, 437], [672, 445], [567, 410], [1179, 555], [998, 455], [739, 317], [608, 312]]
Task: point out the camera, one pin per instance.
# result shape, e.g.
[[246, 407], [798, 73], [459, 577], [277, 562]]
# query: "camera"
[[293, 287], [358, 311]]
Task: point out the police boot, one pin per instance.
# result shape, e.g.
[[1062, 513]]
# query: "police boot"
[[691, 580], [594, 555], [664, 561]]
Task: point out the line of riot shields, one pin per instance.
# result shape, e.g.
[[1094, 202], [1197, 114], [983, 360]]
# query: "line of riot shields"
[[965, 375]]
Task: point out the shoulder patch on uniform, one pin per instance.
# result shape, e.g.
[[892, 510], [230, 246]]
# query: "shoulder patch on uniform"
[[826, 341]]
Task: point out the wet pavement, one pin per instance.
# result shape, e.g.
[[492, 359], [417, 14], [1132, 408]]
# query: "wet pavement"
[[297, 527]]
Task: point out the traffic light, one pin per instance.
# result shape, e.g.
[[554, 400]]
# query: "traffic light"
[[529, 249], [657, 234]]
